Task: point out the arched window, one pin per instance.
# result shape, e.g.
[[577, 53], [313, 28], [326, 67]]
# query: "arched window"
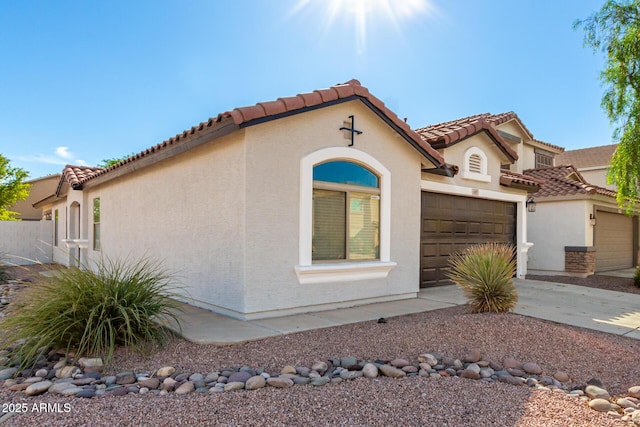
[[346, 212]]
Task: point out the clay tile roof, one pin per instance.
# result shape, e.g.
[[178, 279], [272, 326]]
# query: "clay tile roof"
[[509, 178], [75, 175], [587, 157], [564, 180], [552, 146], [246, 116], [444, 134]]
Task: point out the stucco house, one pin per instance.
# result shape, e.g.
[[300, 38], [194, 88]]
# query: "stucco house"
[[40, 188], [320, 200], [578, 228]]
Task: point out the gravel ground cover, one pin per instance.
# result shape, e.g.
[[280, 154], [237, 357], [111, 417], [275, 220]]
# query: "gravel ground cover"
[[454, 332]]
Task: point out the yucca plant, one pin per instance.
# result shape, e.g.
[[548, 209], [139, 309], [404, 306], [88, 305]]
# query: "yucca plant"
[[92, 311], [636, 277], [485, 272]]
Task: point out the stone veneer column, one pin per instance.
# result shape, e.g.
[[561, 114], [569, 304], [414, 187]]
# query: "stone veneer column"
[[580, 259]]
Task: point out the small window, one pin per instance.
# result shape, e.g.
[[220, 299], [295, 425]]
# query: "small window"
[[56, 219], [506, 167], [346, 212], [96, 224], [544, 159]]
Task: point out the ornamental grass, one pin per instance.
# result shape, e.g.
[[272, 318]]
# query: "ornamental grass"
[[636, 277], [92, 311], [485, 274]]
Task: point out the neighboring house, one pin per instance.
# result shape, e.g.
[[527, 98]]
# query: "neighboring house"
[[40, 188], [592, 163], [578, 228], [316, 201]]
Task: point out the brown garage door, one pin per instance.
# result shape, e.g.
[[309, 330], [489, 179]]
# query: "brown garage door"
[[451, 223], [613, 241]]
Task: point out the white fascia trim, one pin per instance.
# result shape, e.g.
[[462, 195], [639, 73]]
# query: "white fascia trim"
[[343, 272], [458, 190], [306, 202]]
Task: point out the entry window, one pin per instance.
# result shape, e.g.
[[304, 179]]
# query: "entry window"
[[346, 212], [96, 224]]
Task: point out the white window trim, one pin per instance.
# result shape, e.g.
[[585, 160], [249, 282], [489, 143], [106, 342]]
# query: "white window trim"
[[475, 176], [308, 272]]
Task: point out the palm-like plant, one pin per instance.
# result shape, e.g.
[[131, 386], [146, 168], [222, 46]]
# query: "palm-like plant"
[[485, 272]]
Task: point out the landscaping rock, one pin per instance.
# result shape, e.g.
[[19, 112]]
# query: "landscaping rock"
[[320, 367], [125, 378], [38, 388], [600, 405], [91, 364], [279, 382], [634, 391], [186, 388], [286, 370], [391, 371], [532, 368], [150, 383], [428, 358], [511, 363], [473, 356], [595, 392], [233, 386], [166, 371], [239, 377], [255, 382], [561, 376]]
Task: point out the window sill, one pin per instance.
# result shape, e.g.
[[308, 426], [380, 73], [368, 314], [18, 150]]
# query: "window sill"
[[343, 272], [76, 243], [474, 176]]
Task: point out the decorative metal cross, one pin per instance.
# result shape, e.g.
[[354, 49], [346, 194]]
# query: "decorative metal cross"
[[351, 129]]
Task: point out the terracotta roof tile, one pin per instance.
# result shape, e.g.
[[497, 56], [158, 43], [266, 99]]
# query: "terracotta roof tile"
[[509, 178], [564, 180], [75, 175], [587, 157], [265, 110], [444, 134]]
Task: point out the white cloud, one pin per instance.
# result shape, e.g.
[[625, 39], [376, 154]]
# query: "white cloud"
[[61, 156], [63, 152]]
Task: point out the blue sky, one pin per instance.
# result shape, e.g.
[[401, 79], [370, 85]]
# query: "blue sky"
[[83, 81]]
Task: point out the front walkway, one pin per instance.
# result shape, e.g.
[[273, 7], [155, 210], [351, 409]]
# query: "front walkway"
[[606, 311]]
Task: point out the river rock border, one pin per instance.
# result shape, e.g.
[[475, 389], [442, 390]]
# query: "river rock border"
[[57, 374]]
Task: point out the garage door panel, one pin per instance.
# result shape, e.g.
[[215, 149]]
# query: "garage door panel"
[[452, 223], [613, 241]]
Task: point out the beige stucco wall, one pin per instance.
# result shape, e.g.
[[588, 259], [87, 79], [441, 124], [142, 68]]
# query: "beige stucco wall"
[[274, 153], [188, 212], [596, 177], [554, 225]]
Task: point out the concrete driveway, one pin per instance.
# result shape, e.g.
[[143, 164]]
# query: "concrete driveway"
[[607, 311]]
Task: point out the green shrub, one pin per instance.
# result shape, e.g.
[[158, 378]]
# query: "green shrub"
[[636, 277], [92, 312], [485, 272]]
